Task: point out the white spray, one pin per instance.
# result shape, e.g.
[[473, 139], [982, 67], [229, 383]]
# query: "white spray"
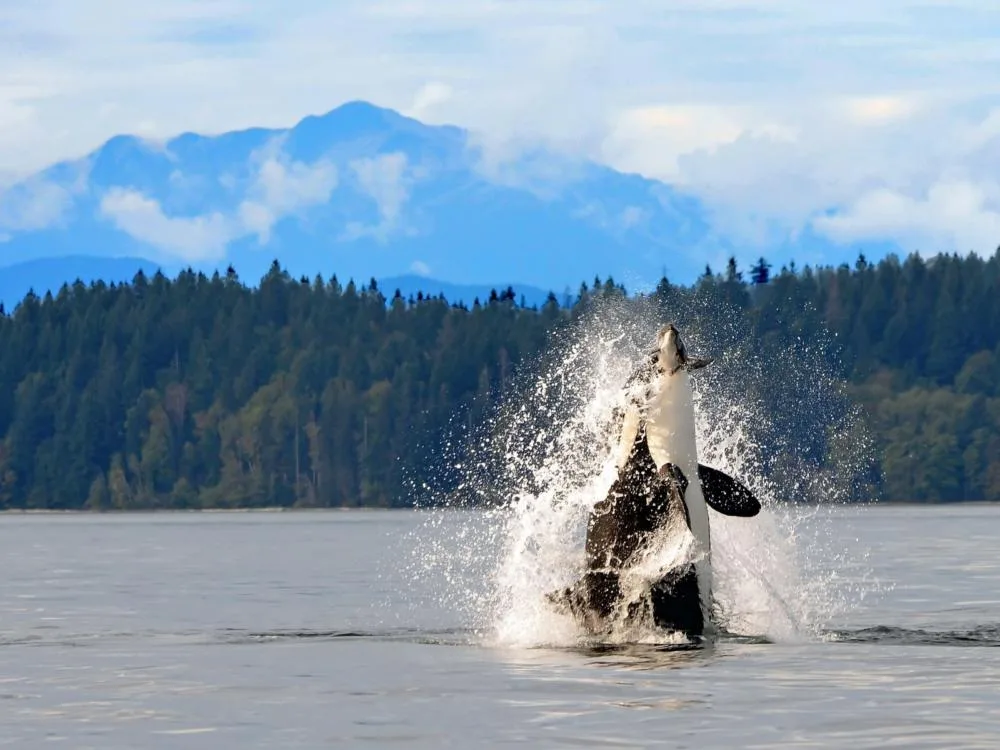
[[547, 453]]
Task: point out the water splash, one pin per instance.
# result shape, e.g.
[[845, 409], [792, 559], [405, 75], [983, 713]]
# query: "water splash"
[[545, 455]]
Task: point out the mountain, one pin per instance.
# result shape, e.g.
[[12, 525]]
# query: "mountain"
[[410, 285], [49, 274], [364, 191]]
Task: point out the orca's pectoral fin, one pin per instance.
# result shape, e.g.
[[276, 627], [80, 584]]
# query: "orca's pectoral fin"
[[696, 363], [725, 494]]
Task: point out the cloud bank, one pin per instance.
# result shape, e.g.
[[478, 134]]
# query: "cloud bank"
[[855, 120], [386, 179], [279, 188]]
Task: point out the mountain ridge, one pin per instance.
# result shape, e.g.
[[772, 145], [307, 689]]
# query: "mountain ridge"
[[366, 191], [48, 275]]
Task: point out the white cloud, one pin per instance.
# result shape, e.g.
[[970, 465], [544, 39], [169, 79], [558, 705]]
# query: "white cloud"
[[283, 187], [546, 69], [675, 129], [386, 179], [189, 238], [428, 98], [41, 202], [876, 110], [772, 111], [420, 268], [956, 216], [544, 171], [279, 188], [33, 204], [621, 221]]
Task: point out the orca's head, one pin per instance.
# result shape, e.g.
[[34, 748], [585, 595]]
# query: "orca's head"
[[671, 354]]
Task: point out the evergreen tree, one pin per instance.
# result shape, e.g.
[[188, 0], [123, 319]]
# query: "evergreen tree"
[[760, 272], [200, 391]]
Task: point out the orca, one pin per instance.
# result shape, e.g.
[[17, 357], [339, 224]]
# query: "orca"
[[661, 494]]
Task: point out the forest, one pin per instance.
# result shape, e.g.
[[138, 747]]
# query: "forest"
[[204, 392]]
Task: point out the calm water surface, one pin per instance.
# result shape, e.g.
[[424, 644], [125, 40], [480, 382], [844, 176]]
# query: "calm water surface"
[[304, 630]]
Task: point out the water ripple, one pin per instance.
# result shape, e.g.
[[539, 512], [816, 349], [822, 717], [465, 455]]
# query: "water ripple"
[[981, 635]]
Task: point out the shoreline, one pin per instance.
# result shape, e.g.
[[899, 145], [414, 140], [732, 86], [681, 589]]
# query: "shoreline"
[[277, 509], [371, 509]]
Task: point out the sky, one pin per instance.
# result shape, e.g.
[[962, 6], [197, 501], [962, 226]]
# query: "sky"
[[855, 120]]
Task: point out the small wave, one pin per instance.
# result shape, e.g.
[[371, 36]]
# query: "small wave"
[[64, 640], [19, 640], [451, 636], [981, 635], [454, 636]]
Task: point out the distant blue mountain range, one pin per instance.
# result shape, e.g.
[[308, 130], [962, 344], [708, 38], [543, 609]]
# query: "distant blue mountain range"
[[361, 192], [468, 293], [49, 274]]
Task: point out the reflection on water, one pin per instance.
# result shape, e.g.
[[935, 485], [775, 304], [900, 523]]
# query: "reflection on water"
[[283, 631], [648, 657]]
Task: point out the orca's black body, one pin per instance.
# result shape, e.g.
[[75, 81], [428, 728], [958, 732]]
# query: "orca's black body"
[[640, 503]]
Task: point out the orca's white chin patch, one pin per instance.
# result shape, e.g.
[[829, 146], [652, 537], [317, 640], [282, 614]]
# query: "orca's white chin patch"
[[669, 362]]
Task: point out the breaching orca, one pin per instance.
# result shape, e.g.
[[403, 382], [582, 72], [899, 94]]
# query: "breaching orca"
[[660, 491]]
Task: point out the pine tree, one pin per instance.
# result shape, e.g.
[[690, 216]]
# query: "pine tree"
[[760, 272], [200, 391]]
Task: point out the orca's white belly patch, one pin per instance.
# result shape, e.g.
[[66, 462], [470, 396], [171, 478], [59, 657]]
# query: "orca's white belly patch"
[[672, 438], [670, 427]]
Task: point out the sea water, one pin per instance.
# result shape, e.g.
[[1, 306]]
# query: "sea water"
[[307, 629], [844, 625]]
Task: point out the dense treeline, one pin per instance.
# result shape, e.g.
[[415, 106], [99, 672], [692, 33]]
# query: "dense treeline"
[[919, 342], [202, 392]]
